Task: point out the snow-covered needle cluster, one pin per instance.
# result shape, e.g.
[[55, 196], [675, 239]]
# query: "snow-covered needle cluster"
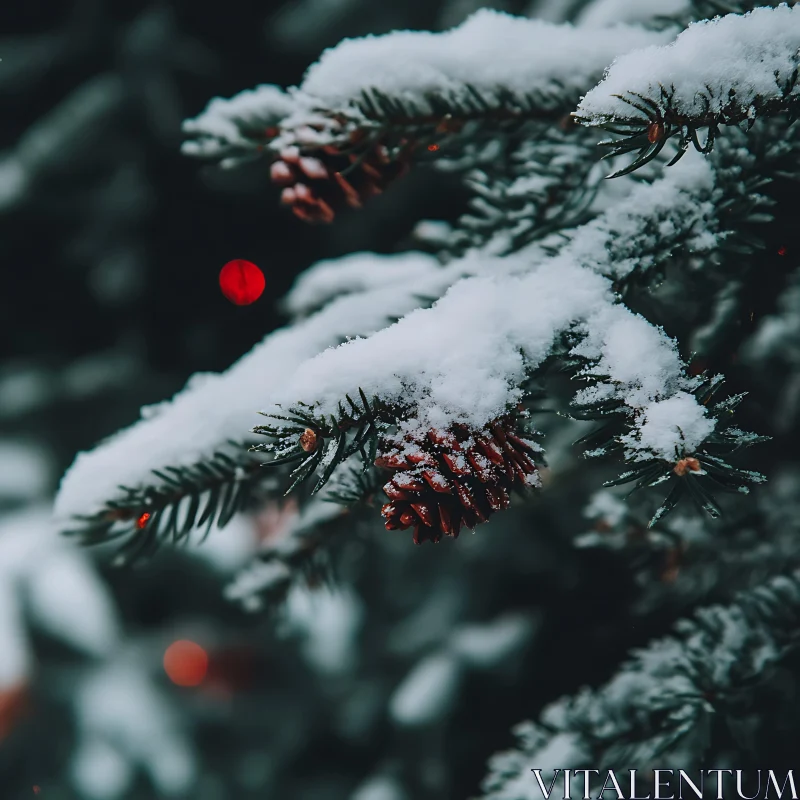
[[420, 376]]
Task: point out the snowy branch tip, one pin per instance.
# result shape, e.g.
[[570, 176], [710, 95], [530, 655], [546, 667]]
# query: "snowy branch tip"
[[731, 68]]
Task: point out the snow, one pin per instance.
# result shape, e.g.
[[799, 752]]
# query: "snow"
[[224, 122], [14, 181], [563, 751], [327, 622], [51, 579], [607, 12], [606, 506], [228, 549], [357, 272], [214, 408], [118, 704], [744, 52], [25, 470], [674, 209], [670, 428], [427, 692], [462, 359], [15, 653], [69, 601], [489, 50], [100, 771], [260, 576], [486, 645], [381, 787]]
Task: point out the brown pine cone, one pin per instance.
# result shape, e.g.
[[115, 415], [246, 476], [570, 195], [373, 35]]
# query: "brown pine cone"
[[445, 479], [320, 181]]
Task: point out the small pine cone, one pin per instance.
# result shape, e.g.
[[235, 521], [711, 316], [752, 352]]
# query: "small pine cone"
[[445, 479], [318, 184]]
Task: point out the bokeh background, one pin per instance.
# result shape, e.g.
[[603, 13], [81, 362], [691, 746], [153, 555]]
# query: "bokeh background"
[[110, 245], [396, 684]]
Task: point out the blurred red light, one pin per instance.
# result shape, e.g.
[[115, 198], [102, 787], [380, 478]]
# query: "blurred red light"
[[186, 663], [242, 282]]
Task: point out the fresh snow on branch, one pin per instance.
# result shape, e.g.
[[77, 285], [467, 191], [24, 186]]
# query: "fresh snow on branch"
[[754, 54], [224, 125], [125, 723], [215, 408], [356, 273], [490, 51], [655, 218], [464, 359]]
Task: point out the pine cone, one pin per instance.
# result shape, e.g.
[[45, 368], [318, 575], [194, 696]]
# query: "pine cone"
[[320, 181], [445, 479]]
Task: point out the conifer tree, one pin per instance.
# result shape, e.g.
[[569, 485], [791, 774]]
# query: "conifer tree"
[[594, 368]]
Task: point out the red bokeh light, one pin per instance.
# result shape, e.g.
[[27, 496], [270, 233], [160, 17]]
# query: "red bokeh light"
[[433, 147], [142, 521], [242, 282], [782, 251], [186, 663]]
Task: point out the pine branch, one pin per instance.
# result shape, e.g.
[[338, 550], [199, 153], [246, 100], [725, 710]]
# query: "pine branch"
[[546, 183], [238, 129], [359, 118], [227, 404], [646, 111], [635, 373], [698, 472], [683, 560], [753, 172], [321, 444], [657, 711], [180, 500], [354, 486]]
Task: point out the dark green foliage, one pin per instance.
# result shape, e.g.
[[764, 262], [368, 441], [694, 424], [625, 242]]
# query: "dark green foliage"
[[685, 559], [180, 500], [357, 485], [657, 122], [355, 429], [449, 120], [708, 472], [543, 183], [659, 708], [451, 110]]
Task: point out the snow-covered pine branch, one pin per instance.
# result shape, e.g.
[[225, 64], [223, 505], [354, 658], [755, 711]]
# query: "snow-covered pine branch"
[[229, 130], [370, 105], [726, 71], [458, 369], [213, 410], [537, 186], [430, 360], [433, 372], [657, 711]]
